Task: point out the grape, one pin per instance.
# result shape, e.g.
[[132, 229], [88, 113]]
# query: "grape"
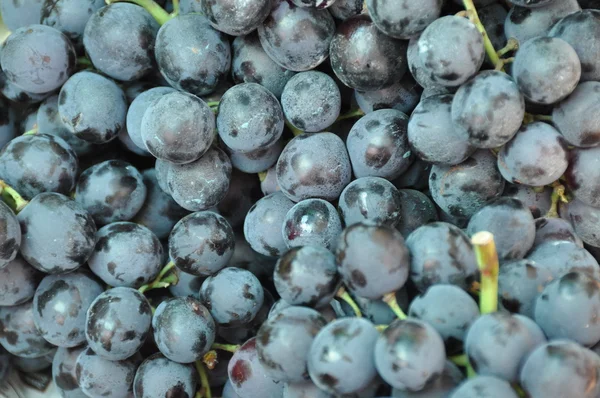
[[568, 307], [63, 371], [492, 18], [576, 117], [22, 13], [451, 50], [312, 222], [403, 19], [37, 58], [247, 375], [10, 235], [402, 96], [255, 161], [270, 185], [233, 296], [304, 389], [229, 392], [126, 142], [561, 257], [92, 107], [177, 127], [191, 55], [18, 333], [370, 200], [190, 6], [111, 191], [18, 281], [344, 9], [157, 376], [239, 334], [14, 93], [319, 4], [284, 340], [251, 64], [531, 3], [484, 386], [416, 176], [100, 377], [464, 189], [238, 17], [162, 168], [581, 175], [31, 365], [436, 89], [364, 58], [264, 223], [373, 260], [201, 184], [418, 72], [538, 202], [433, 137], [69, 16], [561, 368], [449, 310], [307, 276], [378, 144], [555, 229], [137, 109], [409, 354], [584, 222], [526, 23], [243, 192], [118, 322], [250, 118], [314, 166], [33, 164], [201, 243], [126, 254], [187, 284], [58, 233], [183, 329], [416, 210]]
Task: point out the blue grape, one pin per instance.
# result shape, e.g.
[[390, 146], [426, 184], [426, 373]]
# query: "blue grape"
[[264, 222], [18, 333], [312, 222], [370, 200], [18, 281], [581, 175], [440, 387], [553, 229], [402, 96], [417, 209], [235, 18], [63, 371], [576, 118], [304, 389], [344, 9], [187, 284], [10, 235], [488, 386], [16, 94], [243, 192], [561, 257], [69, 16], [538, 202], [255, 161], [403, 19], [416, 176], [21, 14], [158, 376], [492, 17]]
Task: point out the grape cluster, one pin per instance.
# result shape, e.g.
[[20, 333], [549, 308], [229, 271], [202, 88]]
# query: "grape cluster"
[[300, 198]]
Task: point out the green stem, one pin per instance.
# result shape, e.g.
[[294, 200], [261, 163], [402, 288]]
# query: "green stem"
[[342, 294], [12, 197], [205, 389], [213, 104], [558, 195], [293, 129], [84, 61], [390, 300], [157, 12], [225, 347], [159, 282], [489, 47], [32, 131], [543, 118], [350, 115], [487, 260], [511, 45], [175, 8], [460, 360], [381, 328]]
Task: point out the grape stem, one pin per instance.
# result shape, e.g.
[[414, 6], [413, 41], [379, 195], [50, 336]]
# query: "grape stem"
[[293, 129], [511, 45], [33, 131], [350, 115], [558, 195], [460, 360], [213, 104], [342, 294], [262, 176], [489, 47], [157, 12], [84, 61], [12, 197], [205, 389], [225, 347], [381, 328], [487, 260], [160, 281], [502, 62], [210, 359], [390, 300]]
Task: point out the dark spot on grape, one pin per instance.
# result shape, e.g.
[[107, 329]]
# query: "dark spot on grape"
[[328, 380], [240, 372], [358, 278]]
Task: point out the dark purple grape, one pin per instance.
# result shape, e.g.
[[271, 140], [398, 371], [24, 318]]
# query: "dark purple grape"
[[183, 329], [58, 233], [37, 163], [304, 389], [576, 117], [416, 176], [63, 371], [37, 58], [243, 192], [15, 93], [439, 387], [561, 257], [314, 166], [250, 118], [583, 219], [237, 17], [191, 55], [344, 9], [157, 376], [538, 201], [373, 260], [233, 296], [420, 74], [32, 365], [201, 243], [92, 107], [312, 222], [484, 386], [296, 38], [22, 13], [264, 223], [364, 58], [556, 229], [239, 334], [307, 276], [187, 284], [255, 161], [319, 4], [118, 322], [111, 191], [18, 281], [402, 96], [531, 3], [417, 209], [403, 19], [69, 16], [492, 17], [581, 175], [18, 333], [10, 235]]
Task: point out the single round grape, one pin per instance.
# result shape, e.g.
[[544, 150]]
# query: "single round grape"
[[31, 365], [37, 58], [201, 243], [296, 38], [264, 222], [201, 184], [92, 107], [402, 96], [21, 13], [233, 296], [187, 284], [37, 163], [433, 136], [58, 233], [581, 175], [307, 276], [370, 200], [561, 368], [553, 229], [111, 191], [420, 74], [69, 16], [158, 376], [546, 69], [18, 281], [239, 334], [118, 322], [312, 222], [314, 166], [238, 17], [243, 192], [251, 64], [183, 329], [538, 202], [403, 19], [464, 189], [440, 387], [417, 209], [416, 176], [249, 118], [364, 58], [373, 260], [492, 17], [561, 257], [441, 253], [378, 144], [162, 171], [63, 371], [18, 333], [584, 222], [14, 93], [484, 386], [255, 161], [577, 116], [409, 353], [311, 101], [449, 310], [10, 235], [200, 59], [451, 50], [98, 376]]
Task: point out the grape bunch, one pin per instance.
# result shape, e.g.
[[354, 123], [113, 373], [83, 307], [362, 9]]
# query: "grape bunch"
[[300, 198]]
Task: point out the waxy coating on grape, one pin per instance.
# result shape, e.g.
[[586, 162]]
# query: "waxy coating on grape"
[[158, 375], [312, 222], [63, 371], [18, 281], [576, 118], [10, 235], [403, 19], [238, 17], [18, 333]]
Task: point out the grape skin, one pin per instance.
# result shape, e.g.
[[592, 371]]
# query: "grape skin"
[[159, 376], [21, 14], [403, 19], [584, 221], [582, 175], [10, 235], [63, 371], [557, 229], [69, 16], [561, 257], [18, 333], [235, 18], [492, 387], [264, 222], [402, 96], [344, 9], [577, 116], [18, 281], [255, 161], [312, 222], [538, 202]]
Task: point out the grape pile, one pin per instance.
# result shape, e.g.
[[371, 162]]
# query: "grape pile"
[[300, 198]]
